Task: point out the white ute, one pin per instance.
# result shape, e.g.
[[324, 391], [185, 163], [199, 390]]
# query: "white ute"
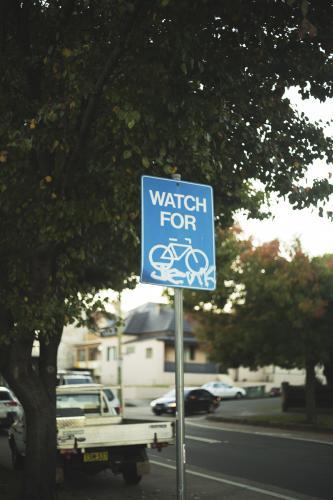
[[92, 436]]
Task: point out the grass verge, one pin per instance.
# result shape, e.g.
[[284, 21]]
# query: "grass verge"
[[295, 421], [324, 422]]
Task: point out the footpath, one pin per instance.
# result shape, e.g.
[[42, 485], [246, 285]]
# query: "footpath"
[[161, 485]]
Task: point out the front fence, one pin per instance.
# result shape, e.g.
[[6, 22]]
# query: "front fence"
[[169, 366]]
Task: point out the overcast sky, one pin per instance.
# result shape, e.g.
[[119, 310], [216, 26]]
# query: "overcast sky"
[[315, 233]]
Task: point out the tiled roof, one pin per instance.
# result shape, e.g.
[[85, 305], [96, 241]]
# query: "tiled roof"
[[170, 340], [152, 318]]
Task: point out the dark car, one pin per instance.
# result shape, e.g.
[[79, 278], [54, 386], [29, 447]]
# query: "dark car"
[[195, 401], [275, 391]]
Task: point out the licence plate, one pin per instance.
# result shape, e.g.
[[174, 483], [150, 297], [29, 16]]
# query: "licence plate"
[[96, 456]]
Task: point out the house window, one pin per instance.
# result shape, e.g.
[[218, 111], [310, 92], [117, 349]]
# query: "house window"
[[111, 353], [130, 349], [189, 353], [81, 354], [149, 352], [92, 353]]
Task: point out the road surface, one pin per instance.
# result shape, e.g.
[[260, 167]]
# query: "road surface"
[[224, 461]]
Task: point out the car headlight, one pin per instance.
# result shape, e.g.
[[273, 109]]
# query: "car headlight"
[[172, 405]]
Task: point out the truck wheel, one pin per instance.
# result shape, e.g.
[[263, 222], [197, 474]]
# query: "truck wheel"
[[130, 474], [17, 459]]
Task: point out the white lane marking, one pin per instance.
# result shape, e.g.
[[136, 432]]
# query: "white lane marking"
[[227, 481], [262, 433], [204, 440]]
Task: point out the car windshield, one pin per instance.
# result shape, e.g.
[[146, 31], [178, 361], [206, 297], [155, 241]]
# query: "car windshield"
[[172, 393], [5, 396], [77, 380], [109, 394], [89, 403]]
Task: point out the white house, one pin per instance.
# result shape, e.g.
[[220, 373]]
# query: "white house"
[[147, 353]]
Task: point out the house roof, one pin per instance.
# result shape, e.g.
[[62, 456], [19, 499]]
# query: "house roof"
[[152, 318], [166, 339]]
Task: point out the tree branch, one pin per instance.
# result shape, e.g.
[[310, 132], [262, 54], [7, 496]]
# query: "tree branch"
[[110, 64], [48, 349]]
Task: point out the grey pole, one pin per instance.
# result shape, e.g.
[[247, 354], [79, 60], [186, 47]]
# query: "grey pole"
[[180, 422], [120, 356]]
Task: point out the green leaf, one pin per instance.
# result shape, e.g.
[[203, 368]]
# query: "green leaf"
[[183, 67], [127, 154], [145, 162]]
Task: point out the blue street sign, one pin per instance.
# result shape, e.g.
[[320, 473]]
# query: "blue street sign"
[[178, 244]]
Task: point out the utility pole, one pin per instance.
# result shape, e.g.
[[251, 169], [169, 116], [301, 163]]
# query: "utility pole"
[[120, 354]]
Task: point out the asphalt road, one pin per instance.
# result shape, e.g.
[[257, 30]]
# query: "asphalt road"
[[224, 461], [299, 466], [294, 461]]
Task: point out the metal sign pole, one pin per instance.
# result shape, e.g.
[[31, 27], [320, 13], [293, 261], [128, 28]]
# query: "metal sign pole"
[[180, 424], [178, 251], [180, 414], [120, 357]]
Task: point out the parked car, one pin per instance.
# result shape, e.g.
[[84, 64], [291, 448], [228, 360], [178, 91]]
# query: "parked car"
[[112, 399], [66, 378], [10, 407], [195, 400], [224, 391], [275, 391]]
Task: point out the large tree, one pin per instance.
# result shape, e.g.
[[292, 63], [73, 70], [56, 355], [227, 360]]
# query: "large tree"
[[282, 313], [95, 93]]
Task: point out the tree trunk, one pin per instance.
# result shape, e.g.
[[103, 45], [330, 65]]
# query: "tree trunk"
[[41, 446], [35, 384], [310, 393]]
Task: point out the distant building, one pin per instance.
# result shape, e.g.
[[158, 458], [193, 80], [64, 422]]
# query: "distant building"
[[148, 352]]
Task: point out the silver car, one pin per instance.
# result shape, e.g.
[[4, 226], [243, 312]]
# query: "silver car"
[[10, 407], [224, 391]]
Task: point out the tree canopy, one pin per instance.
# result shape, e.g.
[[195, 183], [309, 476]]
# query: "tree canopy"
[[95, 94], [281, 310]]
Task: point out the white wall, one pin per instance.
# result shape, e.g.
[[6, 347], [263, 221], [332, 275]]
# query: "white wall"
[[108, 368], [71, 335], [271, 375], [140, 370]]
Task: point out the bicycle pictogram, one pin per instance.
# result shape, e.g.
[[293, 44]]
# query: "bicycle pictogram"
[[163, 258]]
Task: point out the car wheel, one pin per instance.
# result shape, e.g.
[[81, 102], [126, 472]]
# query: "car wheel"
[[130, 474], [239, 395], [157, 412], [211, 408], [17, 458]]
